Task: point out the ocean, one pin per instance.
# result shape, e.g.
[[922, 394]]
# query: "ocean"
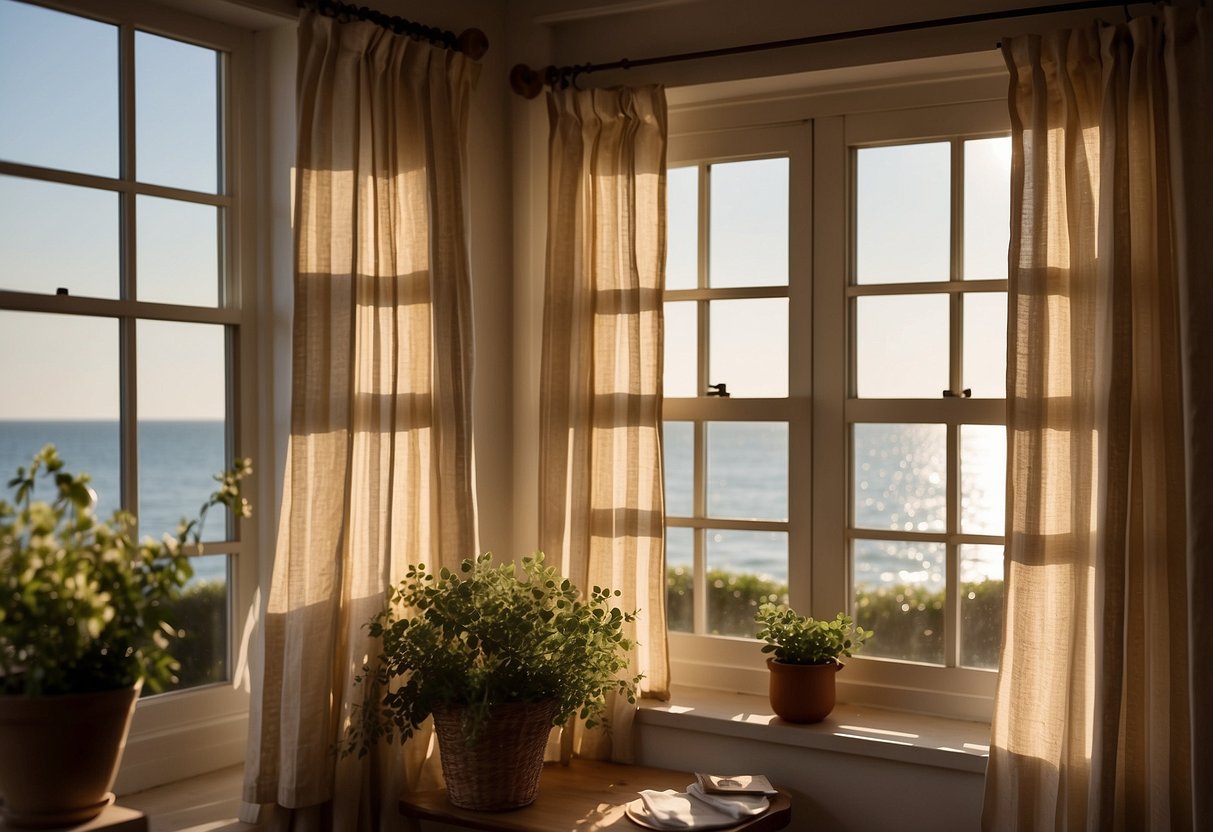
[[899, 484], [177, 460]]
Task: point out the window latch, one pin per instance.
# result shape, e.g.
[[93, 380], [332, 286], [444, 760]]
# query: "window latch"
[[720, 390], [967, 393]]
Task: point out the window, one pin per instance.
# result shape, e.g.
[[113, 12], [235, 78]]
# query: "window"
[[846, 279], [122, 311]]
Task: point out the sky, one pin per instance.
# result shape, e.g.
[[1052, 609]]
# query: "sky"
[[59, 100]]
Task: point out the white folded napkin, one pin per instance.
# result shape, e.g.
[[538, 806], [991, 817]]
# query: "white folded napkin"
[[675, 810], [733, 805]]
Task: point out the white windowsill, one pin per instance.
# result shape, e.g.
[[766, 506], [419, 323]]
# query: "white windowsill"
[[861, 730]]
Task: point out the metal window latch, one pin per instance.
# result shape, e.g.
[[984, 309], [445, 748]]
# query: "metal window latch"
[[967, 393], [721, 390]]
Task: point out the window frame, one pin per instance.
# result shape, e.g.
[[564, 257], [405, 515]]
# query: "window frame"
[[820, 269], [180, 733]]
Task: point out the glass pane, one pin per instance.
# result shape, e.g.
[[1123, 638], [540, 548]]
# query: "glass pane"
[[745, 569], [36, 255], [749, 346], [748, 239], [748, 470], [980, 605], [680, 584], [682, 228], [987, 211], [201, 615], [681, 349], [678, 440], [58, 90], [177, 113], [900, 477], [182, 406], [983, 479], [901, 346], [985, 344], [900, 594], [178, 252], [903, 226], [78, 412]]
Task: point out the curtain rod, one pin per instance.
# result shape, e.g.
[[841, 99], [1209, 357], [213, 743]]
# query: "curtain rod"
[[471, 42], [529, 82]]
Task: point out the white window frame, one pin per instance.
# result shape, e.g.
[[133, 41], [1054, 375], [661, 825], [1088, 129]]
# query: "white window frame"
[[180, 733], [819, 409]]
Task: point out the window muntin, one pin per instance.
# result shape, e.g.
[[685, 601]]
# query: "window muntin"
[[726, 456], [926, 460], [138, 398]]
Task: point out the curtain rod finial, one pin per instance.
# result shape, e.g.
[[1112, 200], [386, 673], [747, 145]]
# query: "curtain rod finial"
[[525, 81], [474, 43]]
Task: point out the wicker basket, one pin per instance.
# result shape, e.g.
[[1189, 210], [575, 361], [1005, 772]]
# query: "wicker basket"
[[501, 769]]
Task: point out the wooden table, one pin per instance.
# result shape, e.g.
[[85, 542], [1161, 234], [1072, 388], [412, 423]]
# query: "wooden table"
[[584, 796]]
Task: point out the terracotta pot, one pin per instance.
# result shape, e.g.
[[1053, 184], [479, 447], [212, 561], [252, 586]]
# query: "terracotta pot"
[[501, 769], [802, 692], [59, 755]]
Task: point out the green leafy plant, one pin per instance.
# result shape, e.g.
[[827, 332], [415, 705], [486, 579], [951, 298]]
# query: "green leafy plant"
[[799, 639], [483, 637], [84, 602]]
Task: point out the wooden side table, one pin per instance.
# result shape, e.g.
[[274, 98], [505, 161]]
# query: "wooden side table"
[[112, 819], [584, 796]]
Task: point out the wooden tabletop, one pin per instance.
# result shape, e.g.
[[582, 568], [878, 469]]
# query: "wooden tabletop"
[[584, 796]]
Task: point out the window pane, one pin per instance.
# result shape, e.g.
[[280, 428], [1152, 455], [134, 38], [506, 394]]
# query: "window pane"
[[903, 226], [681, 349], [58, 90], [177, 113], [748, 470], [680, 584], [748, 239], [37, 255], [987, 211], [901, 345], [899, 594], [202, 615], [749, 346], [78, 412], [182, 406], [744, 570], [981, 584], [985, 344], [678, 467], [983, 479], [682, 228], [900, 477], [178, 252]]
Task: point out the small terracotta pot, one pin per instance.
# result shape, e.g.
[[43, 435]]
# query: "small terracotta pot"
[[802, 692]]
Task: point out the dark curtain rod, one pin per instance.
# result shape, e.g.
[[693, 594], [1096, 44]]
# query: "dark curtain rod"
[[471, 42], [529, 82]]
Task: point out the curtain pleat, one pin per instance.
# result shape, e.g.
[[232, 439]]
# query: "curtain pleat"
[[379, 461], [601, 507], [1103, 706]]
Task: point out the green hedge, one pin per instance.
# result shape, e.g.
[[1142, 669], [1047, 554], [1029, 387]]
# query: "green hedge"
[[201, 612], [907, 620]]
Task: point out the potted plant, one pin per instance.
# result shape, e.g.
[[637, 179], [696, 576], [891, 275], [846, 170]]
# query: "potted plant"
[[806, 657], [498, 660], [81, 630]]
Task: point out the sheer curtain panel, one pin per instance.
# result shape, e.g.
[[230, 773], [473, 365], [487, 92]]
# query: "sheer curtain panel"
[[1102, 716], [601, 511], [379, 463]]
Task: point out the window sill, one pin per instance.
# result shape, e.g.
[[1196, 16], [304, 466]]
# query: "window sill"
[[861, 730]]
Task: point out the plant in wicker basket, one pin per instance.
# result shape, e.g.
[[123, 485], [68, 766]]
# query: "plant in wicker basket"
[[495, 659]]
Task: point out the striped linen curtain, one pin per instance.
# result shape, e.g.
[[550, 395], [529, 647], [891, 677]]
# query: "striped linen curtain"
[[1104, 712], [601, 507], [379, 462]]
